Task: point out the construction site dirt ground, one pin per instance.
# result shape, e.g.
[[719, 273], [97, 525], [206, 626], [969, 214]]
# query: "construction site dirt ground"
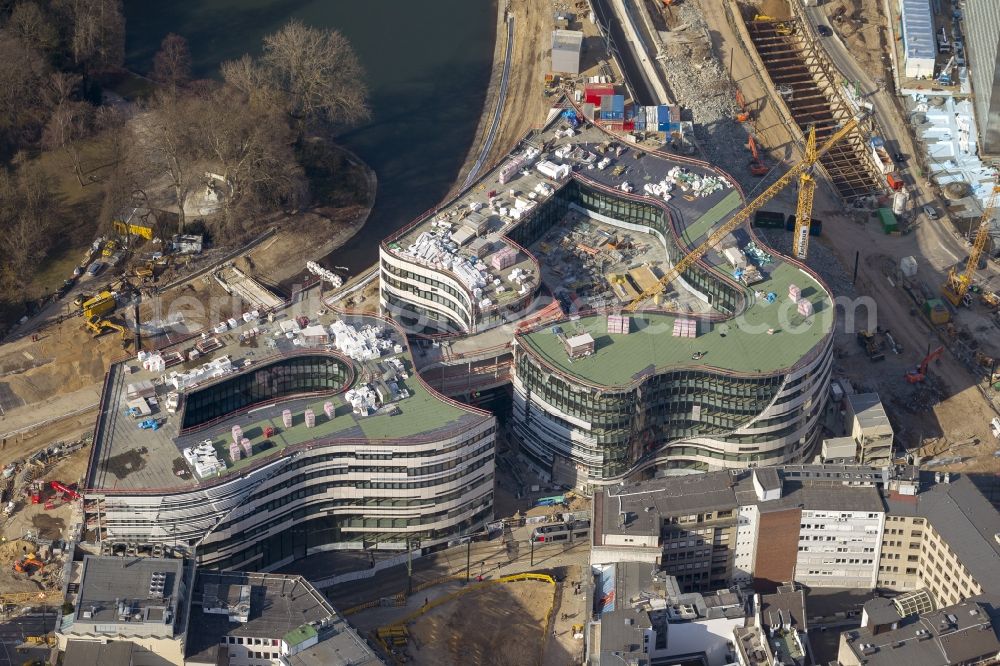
[[862, 29], [493, 623]]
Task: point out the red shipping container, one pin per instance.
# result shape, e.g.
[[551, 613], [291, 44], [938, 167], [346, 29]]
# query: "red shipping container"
[[628, 125], [592, 94], [894, 181]]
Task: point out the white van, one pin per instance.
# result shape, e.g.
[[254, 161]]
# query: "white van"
[[930, 212]]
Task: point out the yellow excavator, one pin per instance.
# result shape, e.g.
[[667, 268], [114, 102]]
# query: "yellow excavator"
[[803, 213], [957, 286], [97, 326]]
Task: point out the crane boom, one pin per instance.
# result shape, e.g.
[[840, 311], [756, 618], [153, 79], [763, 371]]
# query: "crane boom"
[[804, 206], [742, 216], [958, 283]]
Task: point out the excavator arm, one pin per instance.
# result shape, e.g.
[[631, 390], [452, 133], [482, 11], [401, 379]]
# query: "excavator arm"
[[743, 215]]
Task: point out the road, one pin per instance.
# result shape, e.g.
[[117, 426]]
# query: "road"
[[635, 77], [489, 558], [13, 631], [498, 111]]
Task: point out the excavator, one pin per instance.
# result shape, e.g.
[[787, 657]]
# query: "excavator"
[[802, 217], [97, 326], [744, 113], [919, 373], [29, 564], [957, 286], [756, 167]]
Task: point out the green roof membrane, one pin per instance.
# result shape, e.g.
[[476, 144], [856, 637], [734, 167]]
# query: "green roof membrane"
[[741, 344], [704, 224]]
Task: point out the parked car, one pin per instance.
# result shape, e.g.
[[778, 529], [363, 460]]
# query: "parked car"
[[95, 268], [930, 212], [824, 30], [899, 158]]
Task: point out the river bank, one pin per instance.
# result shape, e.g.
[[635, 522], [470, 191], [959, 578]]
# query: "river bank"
[[525, 106], [319, 231]]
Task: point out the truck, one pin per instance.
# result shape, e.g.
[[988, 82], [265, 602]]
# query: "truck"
[[894, 182], [99, 305]]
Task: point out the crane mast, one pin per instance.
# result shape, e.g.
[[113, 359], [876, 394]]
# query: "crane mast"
[[803, 209], [744, 214], [958, 284]]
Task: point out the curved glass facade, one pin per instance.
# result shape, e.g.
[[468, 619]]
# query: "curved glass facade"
[[295, 375]]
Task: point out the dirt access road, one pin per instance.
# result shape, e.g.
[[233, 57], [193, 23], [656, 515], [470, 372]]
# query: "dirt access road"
[[966, 410]]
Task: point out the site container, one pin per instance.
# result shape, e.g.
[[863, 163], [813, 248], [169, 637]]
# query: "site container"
[[893, 180], [662, 118], [592, 94], [769, 219], [888, 220], [815, 226]]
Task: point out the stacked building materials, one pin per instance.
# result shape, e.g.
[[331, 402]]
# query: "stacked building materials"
[[310, 417], [504, 258], [204, 459], [247, 447], [286, 418], [329, 409], [619, 324], [234, 451], [363, 399], [366, 344], [552, 170], [215, 368], [794, 293], [237, 433], [805, 307], [685, 328]]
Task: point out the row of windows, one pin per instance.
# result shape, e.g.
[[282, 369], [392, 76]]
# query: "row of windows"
[[278, 379]]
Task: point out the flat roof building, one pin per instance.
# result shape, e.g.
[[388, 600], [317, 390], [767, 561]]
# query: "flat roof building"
[[142, 600], [585, 419], [566, 48], [241, 618], [964, 633], [283, 440], [981, 22], [918, 38]]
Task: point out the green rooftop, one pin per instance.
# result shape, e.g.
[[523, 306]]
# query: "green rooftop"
[[742, 344], [419, 415], [704, 224], [299, 635]]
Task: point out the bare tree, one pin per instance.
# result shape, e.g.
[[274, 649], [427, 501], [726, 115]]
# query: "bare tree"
[[253, 150], [22, 110], [314, 73], [96, 32], [27, 212], [251, 78], [68, 124], [172, 63], [33, 27], [168, 145]]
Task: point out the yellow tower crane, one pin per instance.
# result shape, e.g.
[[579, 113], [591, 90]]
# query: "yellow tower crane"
[[812, 155], [958, 284], [804, 207]]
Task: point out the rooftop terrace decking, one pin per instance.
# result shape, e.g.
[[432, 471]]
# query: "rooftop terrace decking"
[[127, 457], [740, 345]]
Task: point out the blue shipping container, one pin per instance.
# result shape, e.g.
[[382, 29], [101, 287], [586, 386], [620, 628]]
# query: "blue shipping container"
[[662, 114], [640, 121], [618, 104]]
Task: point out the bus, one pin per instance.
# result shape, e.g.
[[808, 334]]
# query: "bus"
[[561, 532]]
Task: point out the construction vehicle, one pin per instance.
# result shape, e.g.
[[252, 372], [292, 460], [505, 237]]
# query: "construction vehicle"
[[743, 115], [957, 286], [109, 248], [35, 491], [67, 492], [756, 166], [144, 271], [990, 299], [47, 640], [944, 77], [29, 564], [149, 424], [80, 300], [98, 305], [871, 345], [746, 213], [919, 373], [97, 326]]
